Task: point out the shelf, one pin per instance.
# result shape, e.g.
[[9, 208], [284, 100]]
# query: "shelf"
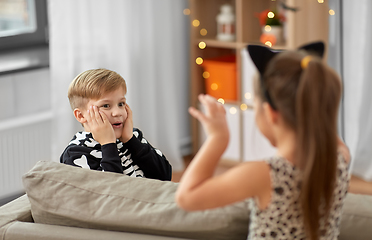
[[300, 27], [238, 103], [232, 45], [218, 44]]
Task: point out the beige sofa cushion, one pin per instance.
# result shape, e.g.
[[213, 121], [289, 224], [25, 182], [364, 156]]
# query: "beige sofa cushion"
[[356, 221], [70, 196]]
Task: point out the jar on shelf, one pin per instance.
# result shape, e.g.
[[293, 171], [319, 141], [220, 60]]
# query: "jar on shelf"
[[226, 23]]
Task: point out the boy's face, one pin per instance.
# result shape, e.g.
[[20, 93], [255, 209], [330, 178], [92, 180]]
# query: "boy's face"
[[113, 105]]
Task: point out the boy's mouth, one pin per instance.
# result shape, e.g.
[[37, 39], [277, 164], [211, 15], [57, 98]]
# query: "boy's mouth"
[[117, 125]]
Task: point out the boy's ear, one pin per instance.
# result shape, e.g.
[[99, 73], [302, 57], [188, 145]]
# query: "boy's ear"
[[79, 115]]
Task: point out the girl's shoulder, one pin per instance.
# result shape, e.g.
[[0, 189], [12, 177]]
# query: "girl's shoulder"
[[268, 165], [343, 151]]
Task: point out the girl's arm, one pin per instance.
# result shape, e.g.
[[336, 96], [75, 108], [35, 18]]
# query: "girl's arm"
[[198, 189]]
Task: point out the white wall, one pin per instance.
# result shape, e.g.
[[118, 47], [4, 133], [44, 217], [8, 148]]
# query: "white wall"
[[25, 126]]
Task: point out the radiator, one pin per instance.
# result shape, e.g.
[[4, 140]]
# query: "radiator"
[[23, 142]]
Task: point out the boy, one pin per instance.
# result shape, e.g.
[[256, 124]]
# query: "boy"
[[109, 142]]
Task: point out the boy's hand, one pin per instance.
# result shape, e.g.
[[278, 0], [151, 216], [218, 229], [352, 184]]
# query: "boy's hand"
[[128, 126], [214, 120], [100, 126]]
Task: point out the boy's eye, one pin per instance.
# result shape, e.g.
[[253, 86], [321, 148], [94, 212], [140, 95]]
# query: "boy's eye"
[[105, 105], [122, 104]]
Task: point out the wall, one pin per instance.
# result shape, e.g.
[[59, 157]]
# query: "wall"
[[25, 126]]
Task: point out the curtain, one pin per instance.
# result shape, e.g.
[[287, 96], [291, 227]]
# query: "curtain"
[[350, 53], [146, 42]]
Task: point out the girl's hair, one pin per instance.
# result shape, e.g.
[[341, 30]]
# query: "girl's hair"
[[308, 98], [92, 84]]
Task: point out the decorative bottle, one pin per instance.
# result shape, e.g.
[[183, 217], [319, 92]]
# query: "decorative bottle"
[[226, 23]]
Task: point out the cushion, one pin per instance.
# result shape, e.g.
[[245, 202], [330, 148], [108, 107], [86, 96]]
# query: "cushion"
[[356, 221], [70, 196]]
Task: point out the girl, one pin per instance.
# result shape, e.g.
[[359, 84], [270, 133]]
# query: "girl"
[[297, 194]]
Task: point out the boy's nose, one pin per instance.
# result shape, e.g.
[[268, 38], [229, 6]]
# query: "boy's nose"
[[116, 112]]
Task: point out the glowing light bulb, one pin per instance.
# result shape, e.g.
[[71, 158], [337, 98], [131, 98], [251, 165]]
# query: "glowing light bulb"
[[196, 23], [214, 86], [221, 100], [331, 12], [243, 107], [206, 74], [199, 60], [233, 110], [270, 15], [267, 28], [248, 95], [202, 45], [320, 1], [186, 11], [268, 43], [203, 31]]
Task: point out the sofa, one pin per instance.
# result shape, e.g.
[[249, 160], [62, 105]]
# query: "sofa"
[[65, 202]]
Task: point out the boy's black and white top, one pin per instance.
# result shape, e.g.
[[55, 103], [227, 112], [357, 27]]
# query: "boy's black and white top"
[[135, 158]]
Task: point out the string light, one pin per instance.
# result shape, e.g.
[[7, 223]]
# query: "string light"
[[267, 28], [331, 12], [203, 31], [221, 100], [199, 60], [320, 1], [186, 11], [202, 45], [196, 23], [206, 74], [268, 43], [270, 15], [243, 107], [214, 86], [248, 95], [233, 110]]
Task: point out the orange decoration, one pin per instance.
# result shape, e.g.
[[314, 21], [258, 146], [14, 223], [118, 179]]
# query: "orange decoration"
[[268, 38], [222, 80]]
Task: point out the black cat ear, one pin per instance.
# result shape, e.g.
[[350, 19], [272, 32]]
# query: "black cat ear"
[[315, 48], [261, 55]]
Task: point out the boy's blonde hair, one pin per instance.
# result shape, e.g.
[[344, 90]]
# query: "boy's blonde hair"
[[92, 84]]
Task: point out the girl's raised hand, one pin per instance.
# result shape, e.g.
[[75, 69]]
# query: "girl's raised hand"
[[214, 118], [100, 126]]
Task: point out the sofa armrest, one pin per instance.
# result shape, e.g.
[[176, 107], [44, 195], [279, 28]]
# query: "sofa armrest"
[[16, 210]]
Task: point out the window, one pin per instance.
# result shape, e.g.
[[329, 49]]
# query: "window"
[[23, 23]]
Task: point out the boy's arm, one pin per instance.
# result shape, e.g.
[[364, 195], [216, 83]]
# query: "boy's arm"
[[111, 161], [84, 157], [150, 160]]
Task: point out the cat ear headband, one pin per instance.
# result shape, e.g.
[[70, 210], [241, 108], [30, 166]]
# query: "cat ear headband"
[[261, 56]]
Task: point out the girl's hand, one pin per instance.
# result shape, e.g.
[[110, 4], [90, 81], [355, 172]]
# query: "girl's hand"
[[100, 126], [128, 126], [214, 119]]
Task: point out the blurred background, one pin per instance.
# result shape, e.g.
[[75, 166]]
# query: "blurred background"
[[168, 51]]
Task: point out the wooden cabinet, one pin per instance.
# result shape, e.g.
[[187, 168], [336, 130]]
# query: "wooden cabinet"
[[308, 23]]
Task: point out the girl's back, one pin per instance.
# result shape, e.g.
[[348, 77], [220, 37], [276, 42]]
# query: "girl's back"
[[282, 218]]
